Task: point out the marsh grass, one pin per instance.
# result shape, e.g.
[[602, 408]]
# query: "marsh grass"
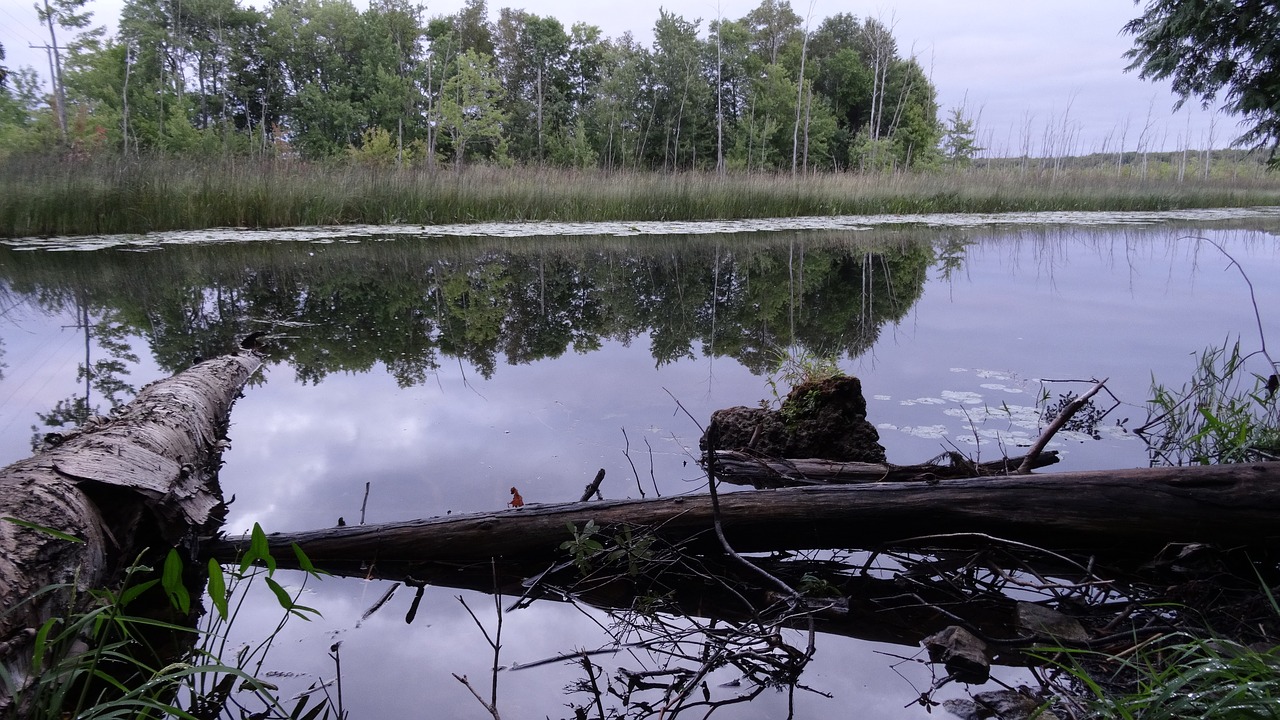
[[1181, 678], [45, 197], [1224, 414]]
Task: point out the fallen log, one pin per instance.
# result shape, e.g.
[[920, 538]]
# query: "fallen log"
[[1123, 516], [1122, 512], [145, 477], [746, 468]]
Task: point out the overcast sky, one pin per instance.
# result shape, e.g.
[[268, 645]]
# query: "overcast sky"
[[1020, 66]]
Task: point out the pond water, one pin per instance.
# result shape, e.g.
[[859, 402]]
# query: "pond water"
[[435, 371]]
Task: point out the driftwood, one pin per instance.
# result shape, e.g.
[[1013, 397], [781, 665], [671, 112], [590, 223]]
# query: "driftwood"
[[1119, 511], [593, 488], [1028, 462], [745, 468], [146, 477]]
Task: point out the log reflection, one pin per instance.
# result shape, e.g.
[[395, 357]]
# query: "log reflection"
[[692, 630]]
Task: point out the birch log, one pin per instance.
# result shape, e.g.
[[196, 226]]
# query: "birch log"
[[146, 477]]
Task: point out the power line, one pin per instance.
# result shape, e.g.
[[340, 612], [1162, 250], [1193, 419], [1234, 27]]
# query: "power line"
[[21, 23]]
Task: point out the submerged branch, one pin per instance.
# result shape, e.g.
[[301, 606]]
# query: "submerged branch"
[[1056, 425]]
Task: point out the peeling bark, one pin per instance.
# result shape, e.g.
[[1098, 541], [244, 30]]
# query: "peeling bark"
[[146, 477]]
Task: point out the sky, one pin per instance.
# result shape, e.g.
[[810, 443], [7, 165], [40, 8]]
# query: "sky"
[[1024, 69]]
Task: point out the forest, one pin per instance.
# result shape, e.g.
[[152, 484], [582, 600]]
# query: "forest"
[[321, 79]]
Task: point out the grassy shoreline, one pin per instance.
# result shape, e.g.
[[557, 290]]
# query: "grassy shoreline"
[[52, 197]]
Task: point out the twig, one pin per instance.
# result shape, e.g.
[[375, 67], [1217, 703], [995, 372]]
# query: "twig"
[[1071, 409], [1262, 339], [497, 636], [492, 710], [364, 504], [712, 438], [652, 477], [595, 687], [336, 654], [593, 488], [575, 654], [1257, 315], [381, 601], [495, 642], [626, 451]]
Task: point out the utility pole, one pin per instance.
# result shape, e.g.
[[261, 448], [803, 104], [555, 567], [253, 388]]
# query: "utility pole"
[[59, 105]]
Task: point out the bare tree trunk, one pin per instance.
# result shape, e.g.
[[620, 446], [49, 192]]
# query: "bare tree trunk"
[[124, 98], [59, 90], [795, 129], [146, 477], [808, 103], [719, 100], [541, 159], [431, 120]]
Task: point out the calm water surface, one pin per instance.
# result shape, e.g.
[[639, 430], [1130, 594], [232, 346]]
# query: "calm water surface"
[[441, 371]]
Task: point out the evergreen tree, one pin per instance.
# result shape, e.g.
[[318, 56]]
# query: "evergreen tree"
[[1213, 50], [959, 139]]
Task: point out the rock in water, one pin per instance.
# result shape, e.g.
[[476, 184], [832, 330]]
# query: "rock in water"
[[819, 419]]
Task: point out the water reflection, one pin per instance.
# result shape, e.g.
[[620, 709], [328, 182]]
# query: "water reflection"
[[443, 372], [407, 303]]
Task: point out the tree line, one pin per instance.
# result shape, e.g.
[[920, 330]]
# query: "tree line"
[[320, 79]]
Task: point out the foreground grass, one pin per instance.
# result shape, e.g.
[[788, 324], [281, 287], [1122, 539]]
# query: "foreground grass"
[[42, 197]]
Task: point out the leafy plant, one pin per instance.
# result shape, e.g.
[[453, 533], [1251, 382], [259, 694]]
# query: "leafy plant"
[[815, 586], [100, 663], [635, 550], [1224, 414], [583, 547]]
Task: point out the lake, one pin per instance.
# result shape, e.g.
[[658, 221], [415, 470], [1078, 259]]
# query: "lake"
[[419, 372]]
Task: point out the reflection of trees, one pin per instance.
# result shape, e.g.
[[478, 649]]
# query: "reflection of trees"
[[346, 307], [103, 327], [952, 253]]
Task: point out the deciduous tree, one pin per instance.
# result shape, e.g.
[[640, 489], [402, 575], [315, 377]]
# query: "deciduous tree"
[[470, 105]]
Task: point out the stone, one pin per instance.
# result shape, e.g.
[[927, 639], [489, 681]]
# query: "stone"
[[963, 654]]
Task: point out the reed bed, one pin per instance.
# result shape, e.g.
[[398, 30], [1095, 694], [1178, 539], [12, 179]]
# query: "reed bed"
[[43, 197]]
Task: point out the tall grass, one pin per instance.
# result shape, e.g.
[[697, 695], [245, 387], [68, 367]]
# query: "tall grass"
[[100, 659], [42, 196], [1225, 414]]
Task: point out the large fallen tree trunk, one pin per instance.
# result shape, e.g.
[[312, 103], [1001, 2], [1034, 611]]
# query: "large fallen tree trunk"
[[1121, 512], [146, 477], [1127, 515]]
